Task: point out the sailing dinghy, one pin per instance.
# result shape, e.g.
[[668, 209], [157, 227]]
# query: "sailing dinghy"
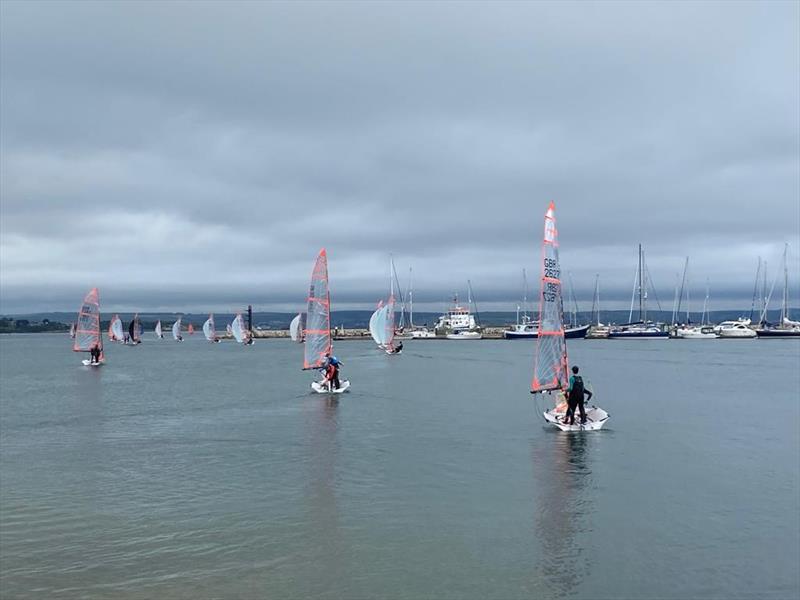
[[550, 362], [176, 330], [296, 328], [135, 330], [115, 330], [87, 328], [209, 330], [238, 330], [190, 329], [318, 326], [158, 331]]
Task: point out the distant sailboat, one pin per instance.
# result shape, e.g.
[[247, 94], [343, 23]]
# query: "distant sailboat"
[[296, 328], [115, 333], [786, 327], [550, 363], [190, 329], [135, 330], [209, 330], [158, 332], [642, 329], [176, 330], [238, 329], [87, 328], [229, 330], [72, 330], [319, 343]]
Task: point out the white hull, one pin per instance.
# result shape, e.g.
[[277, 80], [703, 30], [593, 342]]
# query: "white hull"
[[695, 333], [697, 336], [87, 363], [423, 335], [737, 333], [465, 335], [322, 388], [595, 419]]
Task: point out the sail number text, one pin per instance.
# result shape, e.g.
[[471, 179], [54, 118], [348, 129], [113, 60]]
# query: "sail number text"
[[551, 268]]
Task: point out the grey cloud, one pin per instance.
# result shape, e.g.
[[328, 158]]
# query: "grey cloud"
[[226, 143]]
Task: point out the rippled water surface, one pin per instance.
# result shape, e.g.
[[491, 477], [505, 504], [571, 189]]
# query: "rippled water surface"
[[199, 471]]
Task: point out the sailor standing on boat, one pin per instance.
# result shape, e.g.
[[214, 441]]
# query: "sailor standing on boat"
[[575, 393], [332, 368]]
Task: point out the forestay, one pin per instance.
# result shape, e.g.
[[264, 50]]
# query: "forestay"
[[318, 316], [550, 362], [87, 328]]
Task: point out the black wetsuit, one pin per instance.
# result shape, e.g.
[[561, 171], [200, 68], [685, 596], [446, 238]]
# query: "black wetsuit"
[[575, 399]]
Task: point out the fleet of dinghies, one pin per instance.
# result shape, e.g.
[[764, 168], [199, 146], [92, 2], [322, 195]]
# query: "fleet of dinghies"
[[550, 369]]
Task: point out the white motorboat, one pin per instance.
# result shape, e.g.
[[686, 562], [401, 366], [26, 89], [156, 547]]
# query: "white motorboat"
[[695, 333], [422, 333], [735, 330], [464, 335]]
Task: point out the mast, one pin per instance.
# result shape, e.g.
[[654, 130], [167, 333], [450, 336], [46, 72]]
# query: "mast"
[[250, 319], [410, 300], [642, 311], [755, 290], [705, 307], [785, 303], [473, 303], [524, 294], [596, 300], [680, 294], [574, 319]]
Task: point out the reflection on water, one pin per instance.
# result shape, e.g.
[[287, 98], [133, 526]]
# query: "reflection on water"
[[323, 508], [562, 472]]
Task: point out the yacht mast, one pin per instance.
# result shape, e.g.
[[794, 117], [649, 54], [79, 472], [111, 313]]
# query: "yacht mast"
[[641, 287], [410, 300]]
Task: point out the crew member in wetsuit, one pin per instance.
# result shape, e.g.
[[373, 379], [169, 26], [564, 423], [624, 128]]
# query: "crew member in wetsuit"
[[334, 362], [398, 348], [575, 393], [95, 354]]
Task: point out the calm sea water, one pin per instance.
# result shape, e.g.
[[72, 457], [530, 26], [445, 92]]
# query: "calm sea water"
[[199, 471]]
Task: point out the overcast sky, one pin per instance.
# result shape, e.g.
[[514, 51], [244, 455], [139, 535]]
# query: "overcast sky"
[[191, 156]]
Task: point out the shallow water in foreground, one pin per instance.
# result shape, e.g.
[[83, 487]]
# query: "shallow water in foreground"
[[199, 471]]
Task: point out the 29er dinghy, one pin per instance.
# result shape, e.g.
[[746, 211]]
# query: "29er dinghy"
[[550, 363], [115, 333], [209, 330], [87, 329], [296, 328], [318, 326]]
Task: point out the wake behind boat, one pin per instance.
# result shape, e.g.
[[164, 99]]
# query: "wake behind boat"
[[550, 363]]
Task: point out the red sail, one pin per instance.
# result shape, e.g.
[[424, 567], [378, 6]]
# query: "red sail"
[[318, 315], [550, 363], [87, 329]]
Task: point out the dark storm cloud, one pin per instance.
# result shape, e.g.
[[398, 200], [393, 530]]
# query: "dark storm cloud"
[[198, 150]]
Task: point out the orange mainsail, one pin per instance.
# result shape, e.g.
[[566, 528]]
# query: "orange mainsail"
[[318, 315], [87, 329], [550, 362]]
